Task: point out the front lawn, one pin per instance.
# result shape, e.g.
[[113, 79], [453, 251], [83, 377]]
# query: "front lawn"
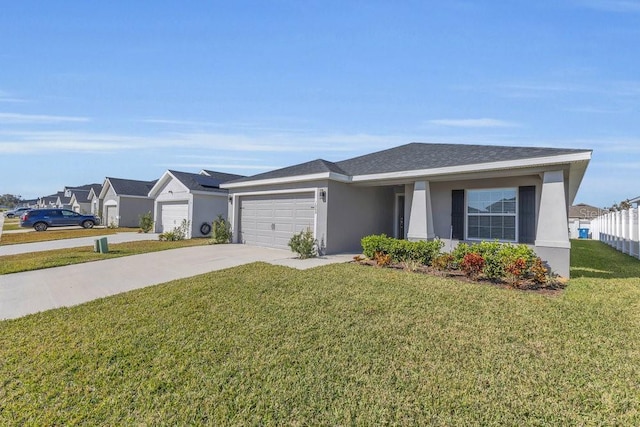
[[53, 234], [60, 257], [337, 345], [11, 224]]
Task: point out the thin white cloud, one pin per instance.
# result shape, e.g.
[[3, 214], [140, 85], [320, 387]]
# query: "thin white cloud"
[[473, 123], [6, 97], [8, 118]]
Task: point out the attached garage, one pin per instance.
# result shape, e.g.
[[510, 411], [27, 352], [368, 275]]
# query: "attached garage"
[[272, 219], [173, 214]]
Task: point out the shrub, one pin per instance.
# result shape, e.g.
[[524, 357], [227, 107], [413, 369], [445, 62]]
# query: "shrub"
[[304, 244], [382, 259], [516, 270], [539, 272], [444, 262], [178, 233], [401, 251], [374, 243], [472, 265], [146, 222], [221, 231]]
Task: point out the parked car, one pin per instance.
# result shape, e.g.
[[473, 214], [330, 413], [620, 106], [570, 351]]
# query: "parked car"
[[41, 219], [15, 212]]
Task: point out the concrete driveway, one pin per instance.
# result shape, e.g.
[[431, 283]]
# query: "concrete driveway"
[[24, 248], [34, 291]]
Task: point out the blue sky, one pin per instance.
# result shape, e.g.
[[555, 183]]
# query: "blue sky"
[[130, 89]]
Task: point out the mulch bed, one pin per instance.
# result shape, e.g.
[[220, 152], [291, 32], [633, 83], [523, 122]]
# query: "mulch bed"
[[554, 287]]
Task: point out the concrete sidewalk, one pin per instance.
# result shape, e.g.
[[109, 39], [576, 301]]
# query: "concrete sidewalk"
[[74, 243], [34, 291]]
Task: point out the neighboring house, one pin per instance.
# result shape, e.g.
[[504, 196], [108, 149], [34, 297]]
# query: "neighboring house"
[[123, 201], [79, 201], [52, 200], [94, 200], [417, 191], [195, 198], [580, 217], [63, 202]]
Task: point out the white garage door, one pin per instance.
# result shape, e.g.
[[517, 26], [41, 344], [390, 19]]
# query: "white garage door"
[[172, 215], [271, 220], [110, 216]]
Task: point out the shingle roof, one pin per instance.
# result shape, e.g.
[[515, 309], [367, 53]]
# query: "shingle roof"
[[308, 168], [197, 182], [130, 187], [415, 156], [222, 176], [584, 211]]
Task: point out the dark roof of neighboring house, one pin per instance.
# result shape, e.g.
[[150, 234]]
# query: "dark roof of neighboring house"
[[197, 182], [131, 187], [222, 176], [584, 211], [308, 168], [86, 187], [416, 156], [81, 195]]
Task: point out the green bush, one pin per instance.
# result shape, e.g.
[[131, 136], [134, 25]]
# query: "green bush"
[[178, 233], [221, 231], [374, 243], [401, 251], [498, 257], [146, 222], [304, 244]]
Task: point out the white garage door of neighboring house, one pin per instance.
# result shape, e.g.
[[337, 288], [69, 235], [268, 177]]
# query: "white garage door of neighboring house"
[[172, 215], [110, 216], [271, 220]]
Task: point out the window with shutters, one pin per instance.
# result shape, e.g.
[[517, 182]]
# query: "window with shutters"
[[492, 214]]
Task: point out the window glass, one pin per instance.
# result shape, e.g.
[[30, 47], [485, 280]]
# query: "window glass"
[[491, 214]]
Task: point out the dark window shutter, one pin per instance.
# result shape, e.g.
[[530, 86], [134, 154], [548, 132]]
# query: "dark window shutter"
[[457, 214], [527, 214]]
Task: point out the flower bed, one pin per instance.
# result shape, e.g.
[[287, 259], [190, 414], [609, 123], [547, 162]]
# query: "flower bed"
[[505, 264]]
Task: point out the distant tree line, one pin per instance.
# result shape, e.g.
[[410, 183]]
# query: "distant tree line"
[[10, 200]]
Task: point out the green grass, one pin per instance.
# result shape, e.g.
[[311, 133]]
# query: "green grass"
[[590, 258], [337, 345], [11, 224], [53, 234], [56, 258]]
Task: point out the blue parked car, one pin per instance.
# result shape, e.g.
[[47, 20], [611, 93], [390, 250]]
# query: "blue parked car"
[[41, 219]]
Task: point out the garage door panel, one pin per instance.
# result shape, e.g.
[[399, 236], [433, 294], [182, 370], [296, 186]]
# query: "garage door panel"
[[271, 220], [172, 215]]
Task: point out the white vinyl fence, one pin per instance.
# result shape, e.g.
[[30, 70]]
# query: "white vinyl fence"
[[619, 230]]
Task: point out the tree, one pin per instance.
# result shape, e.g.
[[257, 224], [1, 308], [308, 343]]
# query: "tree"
[[9, 200]]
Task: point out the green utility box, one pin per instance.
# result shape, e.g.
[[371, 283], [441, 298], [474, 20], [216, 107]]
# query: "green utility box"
[[101, 245]]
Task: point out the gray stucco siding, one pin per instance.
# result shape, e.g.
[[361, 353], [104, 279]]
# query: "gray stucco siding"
[[355, 212], [131, 208], [441, 197], [206, 208]]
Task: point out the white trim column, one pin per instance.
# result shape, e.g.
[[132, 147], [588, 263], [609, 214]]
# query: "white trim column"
[[421, 218], [552, 237]]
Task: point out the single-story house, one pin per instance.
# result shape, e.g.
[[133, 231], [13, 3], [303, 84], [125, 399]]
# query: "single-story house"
[[417, 191], [580, 217], [50, 201], [123, 201], [195, 198], [79, 197], [95, 207]]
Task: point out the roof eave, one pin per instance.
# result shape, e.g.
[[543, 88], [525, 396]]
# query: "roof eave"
[[288, 179]]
